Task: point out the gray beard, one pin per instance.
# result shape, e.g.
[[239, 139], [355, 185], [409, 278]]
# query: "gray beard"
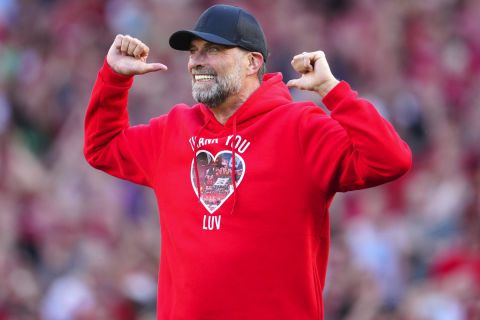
[[224, 87]]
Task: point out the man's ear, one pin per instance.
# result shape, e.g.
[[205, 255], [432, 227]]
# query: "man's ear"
[[255, 61]]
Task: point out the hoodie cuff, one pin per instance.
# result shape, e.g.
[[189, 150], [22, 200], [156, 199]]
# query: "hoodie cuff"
[[110, 76], [341, 91]]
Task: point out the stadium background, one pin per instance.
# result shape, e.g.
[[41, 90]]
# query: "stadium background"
[[78, 244]]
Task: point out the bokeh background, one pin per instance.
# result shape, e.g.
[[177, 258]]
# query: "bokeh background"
[[78, 244]]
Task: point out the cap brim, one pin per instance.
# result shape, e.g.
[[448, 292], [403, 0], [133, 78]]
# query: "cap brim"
[[181, 40]]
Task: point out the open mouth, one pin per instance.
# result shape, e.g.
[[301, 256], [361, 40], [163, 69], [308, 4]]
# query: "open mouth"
[[204, 77]]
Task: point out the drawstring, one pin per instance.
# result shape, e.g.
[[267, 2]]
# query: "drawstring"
[[195, 164], [234, 174]]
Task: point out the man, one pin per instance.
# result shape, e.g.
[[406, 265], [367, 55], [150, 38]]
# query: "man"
[[253, 245]]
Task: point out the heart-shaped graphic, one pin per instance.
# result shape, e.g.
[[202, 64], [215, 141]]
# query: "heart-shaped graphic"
[[215, 175]]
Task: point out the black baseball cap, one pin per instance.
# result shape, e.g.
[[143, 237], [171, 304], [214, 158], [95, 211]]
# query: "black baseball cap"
[[226, 25]]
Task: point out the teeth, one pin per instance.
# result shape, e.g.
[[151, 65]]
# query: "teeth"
[[200, 77]]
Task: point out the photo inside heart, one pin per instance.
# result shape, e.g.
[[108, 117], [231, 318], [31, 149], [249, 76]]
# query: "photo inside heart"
[[215, 175]]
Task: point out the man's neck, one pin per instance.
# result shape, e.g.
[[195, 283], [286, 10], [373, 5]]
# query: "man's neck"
[[224, 111]]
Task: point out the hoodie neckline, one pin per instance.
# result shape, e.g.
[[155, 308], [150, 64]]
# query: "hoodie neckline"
[[271, 94]]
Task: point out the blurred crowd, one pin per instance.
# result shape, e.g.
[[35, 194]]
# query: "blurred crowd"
[[76, 244]]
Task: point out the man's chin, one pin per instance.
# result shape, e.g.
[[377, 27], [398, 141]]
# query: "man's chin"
[[210, 102], [203, 86], [211, 96]]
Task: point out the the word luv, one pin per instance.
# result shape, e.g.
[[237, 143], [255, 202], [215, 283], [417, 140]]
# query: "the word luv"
[[211, 222]]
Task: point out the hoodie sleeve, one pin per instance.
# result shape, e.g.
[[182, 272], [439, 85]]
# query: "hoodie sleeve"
[[355, 147], [111, 145]]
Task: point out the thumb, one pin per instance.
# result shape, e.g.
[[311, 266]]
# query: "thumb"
[[153, 67], [294, 83]]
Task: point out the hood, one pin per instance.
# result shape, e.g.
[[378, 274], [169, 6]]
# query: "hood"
[[271, 94]]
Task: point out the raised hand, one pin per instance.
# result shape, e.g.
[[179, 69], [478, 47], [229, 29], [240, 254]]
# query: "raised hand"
[[316, 73], [128, 56]]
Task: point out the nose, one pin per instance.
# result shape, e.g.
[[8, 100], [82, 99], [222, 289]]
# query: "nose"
[[196, 59]]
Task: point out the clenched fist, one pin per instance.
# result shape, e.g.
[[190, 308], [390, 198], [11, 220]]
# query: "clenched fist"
[[128, 56], [316, 73]]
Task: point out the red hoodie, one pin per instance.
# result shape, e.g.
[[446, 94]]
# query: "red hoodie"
[[257, 248]]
